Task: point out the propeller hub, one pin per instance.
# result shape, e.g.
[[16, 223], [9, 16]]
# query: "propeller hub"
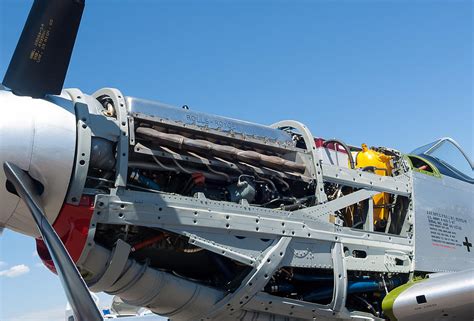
[[39, 136]]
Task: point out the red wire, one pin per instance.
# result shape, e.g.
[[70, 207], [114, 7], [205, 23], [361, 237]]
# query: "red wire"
[[148, 242]]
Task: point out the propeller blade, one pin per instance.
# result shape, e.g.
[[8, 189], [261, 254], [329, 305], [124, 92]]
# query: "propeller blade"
[[76, 290], [41, 58]]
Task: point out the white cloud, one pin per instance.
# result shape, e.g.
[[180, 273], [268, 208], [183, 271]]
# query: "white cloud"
[[2, 264], [15, 271]]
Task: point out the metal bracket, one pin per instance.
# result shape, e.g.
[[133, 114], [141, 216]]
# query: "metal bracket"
[[83, 147], [122, 119], [269, 261], [220, 249], [131, 130], [340, 279], [315, 168], [399, 185], [369, 219], [319, 211]]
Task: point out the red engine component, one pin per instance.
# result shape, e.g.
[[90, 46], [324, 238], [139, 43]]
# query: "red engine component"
[[72, 226], [331, 145]]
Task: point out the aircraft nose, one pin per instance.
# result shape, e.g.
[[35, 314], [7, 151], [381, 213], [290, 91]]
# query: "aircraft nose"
[[39, 136]]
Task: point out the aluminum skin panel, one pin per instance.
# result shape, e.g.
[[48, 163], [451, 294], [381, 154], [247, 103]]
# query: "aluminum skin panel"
[[446, 297], [206, 121], [443, 223]]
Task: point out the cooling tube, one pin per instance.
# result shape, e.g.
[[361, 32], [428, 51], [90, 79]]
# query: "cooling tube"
[[346, 148]]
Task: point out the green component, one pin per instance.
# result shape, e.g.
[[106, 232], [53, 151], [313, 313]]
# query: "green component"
[[389, 300], [435, 172]]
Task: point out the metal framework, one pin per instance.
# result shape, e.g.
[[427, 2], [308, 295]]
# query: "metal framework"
[[261, 238]]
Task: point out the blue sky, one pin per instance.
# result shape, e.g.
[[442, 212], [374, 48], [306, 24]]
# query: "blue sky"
[[390, 73]]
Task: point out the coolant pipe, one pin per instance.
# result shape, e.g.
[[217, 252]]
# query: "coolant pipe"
[[363, 286], [352, 287], [144, 181], [111, 271]]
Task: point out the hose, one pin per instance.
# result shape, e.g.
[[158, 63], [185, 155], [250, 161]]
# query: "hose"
[[367, 305], [346, 148], [357, 286], [147, 242]]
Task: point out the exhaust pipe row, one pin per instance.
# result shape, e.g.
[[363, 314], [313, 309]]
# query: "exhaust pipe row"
[[227, 152]]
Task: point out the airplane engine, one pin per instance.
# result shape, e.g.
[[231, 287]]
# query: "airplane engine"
[[152, 149], [202, 217], [195, 215], [172, 209]]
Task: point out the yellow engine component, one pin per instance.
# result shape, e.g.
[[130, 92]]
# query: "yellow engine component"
[[378, 163]]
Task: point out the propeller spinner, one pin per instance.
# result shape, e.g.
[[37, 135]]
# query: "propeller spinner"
[[39, 136]]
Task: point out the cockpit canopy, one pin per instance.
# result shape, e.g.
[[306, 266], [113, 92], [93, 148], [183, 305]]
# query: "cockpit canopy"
[[449, 158]]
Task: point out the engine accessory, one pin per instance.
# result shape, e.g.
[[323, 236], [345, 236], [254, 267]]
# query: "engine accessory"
[[102, 154], [144, 181], [380, 164], [243, 189]]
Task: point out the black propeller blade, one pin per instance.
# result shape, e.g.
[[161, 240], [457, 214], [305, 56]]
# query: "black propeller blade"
[[41, 58], [76, 290]]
